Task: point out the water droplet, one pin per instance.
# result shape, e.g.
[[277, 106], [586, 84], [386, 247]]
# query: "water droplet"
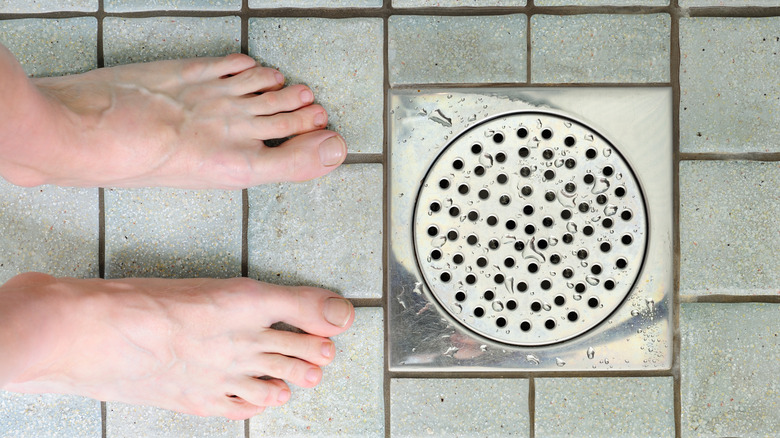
[[607, 152], [571, 227], [417, 287], [600, 186], [591, 353], [591, 280], [483, 347], [589, 137], [422, 112], [559, 162], [486, 160], [635, 313], [529, 252], [570, 285], [439, 117], [533, 359], [539, 123], [547, 307], [595, 218], [577, 297], [553, 241], [650, 305], [606, 361], [498, 306], [439, 241], [509, 284], [567, 124], [619, 176], [472, 117], [559, 362], [567, 199], [489, 133], [457, 308], [610, 210]]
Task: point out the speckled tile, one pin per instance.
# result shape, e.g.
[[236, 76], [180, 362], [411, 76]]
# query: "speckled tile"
[[641, 407], [173, 233], [52, 47], [315, 3], [459, 407], [600, 48], [16, 6], [340, 60], [349, 402], [730, 95], [729, 227], [729, 363], [601, 3], [48, 229], [736, 3], [171, 5], [326, 232], [451, 3], [49, 415], [130, 421], [128, 40], [424, 49]]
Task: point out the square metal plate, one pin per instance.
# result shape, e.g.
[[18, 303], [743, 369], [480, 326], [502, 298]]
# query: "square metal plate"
[[635, 336]]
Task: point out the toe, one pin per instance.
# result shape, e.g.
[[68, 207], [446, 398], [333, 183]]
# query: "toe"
[[312, 349], [287, 99], [289, 369], [283, 125], [300, 158], [261, 392], [232, 65], [254, 80], [236, 408]]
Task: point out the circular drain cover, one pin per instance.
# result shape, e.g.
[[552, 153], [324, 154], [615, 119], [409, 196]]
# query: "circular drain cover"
[[530, 228]]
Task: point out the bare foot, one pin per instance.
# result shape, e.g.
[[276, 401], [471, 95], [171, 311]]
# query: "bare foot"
[[197, 123], [202, 347]]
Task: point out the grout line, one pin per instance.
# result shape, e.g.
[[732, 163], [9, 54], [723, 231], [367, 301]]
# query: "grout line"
[[359, 158], [366, 302], [386, 379], [101, 202], [243, 16], [730, 156], [504, 374], [532, 407], [531, 85], [103, 419], [528, 61], [101, 233], [730, 299]]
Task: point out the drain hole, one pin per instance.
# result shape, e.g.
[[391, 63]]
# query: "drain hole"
[[588, 230], [582, 254], [463, 189], [571, 163], [568, 273], [547, 133], [473, 215], [626, 239], [525, 326], [482, 262], [460, 296], [550, 324], [626, 215], [559, 300], [526, 190], [528, 210], [572, 316], [436, 254], [476, 148], [493, 244], [445, 277], [511, 225], [504, 199], [547, 221], [498, 137], [499, 279], [472, 239], [471, 279], [523, 152], [620, 192], [433, 230], [484, 194], [501, 322], [457, 259], [569, 141], [454, 211], [549, 196], [541, 244], [479, 170], [584, 207], [607, 223], [593, 302], [536, 306], [590, 153], [605, 247], [444, 183], [530, 229], [522, 133], [546, 284], [555, 259], [609, 284], [547, 154], [457, 164], [579, 288], [588, 178], [452, 235], [511, 304], [533, 267], [479, 312], [549, 174], [595, 269], [435, 207], [570, 187], [500, 157], [509, 262], [601, 199], [621, 263], [519, 245], [608, 171], [566, 214], [502, 178], [489, 295], [522, 286], [492, 220], [568, 238], [525, 171]]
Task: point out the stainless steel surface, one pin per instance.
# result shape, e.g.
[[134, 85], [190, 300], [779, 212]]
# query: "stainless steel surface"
[[529, 228], [433, 327]]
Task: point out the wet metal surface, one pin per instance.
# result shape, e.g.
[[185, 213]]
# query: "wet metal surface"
[[519, 233]]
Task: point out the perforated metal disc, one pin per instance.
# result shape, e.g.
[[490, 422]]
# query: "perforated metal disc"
[[530, 228]]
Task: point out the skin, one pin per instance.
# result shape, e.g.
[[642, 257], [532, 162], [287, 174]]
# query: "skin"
[[197, 346]]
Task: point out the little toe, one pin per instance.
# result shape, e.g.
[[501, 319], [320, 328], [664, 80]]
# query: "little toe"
[[306, 119], [313, 349], [261, 392], [287, 99], [254, 80], [301, 158], [232, 64]]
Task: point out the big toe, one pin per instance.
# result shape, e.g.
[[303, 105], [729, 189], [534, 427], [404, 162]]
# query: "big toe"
[[301, 158]]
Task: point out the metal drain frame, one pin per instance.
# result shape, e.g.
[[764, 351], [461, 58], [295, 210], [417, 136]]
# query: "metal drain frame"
[[423, 336]]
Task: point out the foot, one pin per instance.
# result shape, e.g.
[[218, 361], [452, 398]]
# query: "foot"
[[198, 123], [200, 346]]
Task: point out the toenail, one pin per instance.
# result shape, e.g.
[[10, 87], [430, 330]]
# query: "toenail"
[[328, 349], [337, 310], [332, 151], [308, 97], [313, 375], [320, 119], [279, 78], [284, 395]]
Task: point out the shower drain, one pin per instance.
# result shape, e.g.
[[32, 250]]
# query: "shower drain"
[[530, 228]]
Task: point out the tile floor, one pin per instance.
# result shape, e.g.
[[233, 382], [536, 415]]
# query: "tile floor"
[[719, 56]]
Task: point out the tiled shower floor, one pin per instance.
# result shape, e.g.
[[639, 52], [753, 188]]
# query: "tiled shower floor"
[[719, 56]]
